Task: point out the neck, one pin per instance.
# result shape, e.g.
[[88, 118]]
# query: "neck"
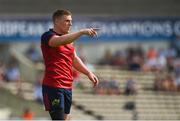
[[57, 30]]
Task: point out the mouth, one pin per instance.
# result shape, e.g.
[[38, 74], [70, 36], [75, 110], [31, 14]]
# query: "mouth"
[[68, 29]]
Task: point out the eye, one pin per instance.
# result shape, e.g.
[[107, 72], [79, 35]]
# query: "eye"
[[68, 21]]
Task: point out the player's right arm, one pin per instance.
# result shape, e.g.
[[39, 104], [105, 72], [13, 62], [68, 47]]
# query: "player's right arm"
[[56, 40]]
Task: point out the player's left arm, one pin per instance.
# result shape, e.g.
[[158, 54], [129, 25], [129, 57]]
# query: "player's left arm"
[[81, 67]]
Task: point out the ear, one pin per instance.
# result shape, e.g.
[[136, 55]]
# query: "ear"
[[56, 21]]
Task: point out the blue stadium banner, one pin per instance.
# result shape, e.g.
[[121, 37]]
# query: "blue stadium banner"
[[111, 28]]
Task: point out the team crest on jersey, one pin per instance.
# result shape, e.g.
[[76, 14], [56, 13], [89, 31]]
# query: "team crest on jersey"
[[55, 102]]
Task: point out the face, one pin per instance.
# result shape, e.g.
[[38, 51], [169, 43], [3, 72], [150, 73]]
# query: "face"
[[63, 24]]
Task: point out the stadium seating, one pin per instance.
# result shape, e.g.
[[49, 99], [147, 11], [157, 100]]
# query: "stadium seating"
[[148, 104]]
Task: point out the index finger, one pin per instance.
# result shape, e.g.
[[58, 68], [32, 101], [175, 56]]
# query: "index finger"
[[96, 29], [96, 81]]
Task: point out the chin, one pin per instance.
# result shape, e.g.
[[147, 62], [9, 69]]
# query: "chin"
[[67, 32]]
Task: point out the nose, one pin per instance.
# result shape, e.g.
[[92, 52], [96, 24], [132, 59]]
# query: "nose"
[[70, 23]]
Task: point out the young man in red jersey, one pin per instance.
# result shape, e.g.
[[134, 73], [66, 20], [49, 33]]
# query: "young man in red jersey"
[[59, 59]]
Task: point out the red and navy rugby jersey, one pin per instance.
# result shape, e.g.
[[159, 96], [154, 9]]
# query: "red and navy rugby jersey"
[[58, 62]]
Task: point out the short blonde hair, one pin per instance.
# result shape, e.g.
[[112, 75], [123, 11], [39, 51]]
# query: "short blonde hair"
[[59, 13]]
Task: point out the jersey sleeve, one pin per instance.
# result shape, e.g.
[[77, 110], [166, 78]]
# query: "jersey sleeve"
[[46, 37]]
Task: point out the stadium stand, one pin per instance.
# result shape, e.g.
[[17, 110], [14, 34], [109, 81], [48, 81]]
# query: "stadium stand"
[[145, 105], [149, 105]]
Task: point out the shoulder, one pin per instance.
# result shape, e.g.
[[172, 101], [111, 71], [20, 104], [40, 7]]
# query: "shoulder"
[[46, 36]]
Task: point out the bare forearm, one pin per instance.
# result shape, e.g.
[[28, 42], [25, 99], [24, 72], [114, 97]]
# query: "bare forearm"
[[65, 39], [56, 41], [80, 66]]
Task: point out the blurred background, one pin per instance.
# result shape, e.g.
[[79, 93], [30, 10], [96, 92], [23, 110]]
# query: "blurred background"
[[136, 57]]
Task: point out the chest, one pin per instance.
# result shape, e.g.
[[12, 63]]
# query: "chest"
[[69, 48]]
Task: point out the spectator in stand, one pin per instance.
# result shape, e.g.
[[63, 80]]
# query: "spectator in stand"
[[156, 61], [27, 114], [170, 64], [119, 59], [134, 58], [168, 84], [151, 60], [177, 82], [114, 86], [160, 62], [140, 52], [130, 55], [108, 87], [135, 64], [171, 53], [158, 82], [38, 88], [12, 73], [102, 87], [177, 74], [33, 54], [107, 59], [2, 71], [152, 53], [130, 87]]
